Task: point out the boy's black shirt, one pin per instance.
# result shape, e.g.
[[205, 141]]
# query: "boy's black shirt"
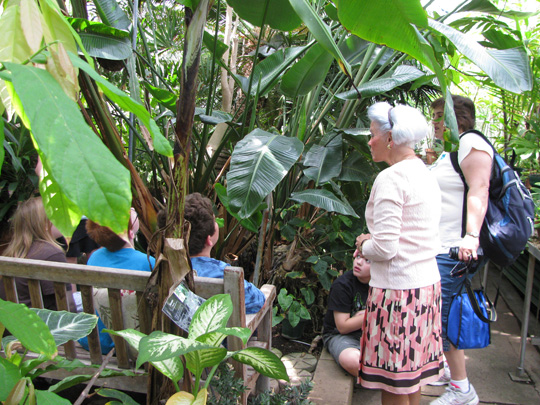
[[348, 295]]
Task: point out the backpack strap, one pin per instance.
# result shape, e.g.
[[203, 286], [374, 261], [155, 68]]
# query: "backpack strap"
[[457, 168]]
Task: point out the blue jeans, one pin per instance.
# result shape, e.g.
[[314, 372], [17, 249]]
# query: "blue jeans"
[[449, 286]]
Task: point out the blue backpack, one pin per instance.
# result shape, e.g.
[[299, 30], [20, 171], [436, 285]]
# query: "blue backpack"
[[509, 220]]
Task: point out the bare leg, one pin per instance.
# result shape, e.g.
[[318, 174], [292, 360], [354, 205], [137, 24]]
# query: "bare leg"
[[456, 362], [349, 359], [414, 399], [389, 398]]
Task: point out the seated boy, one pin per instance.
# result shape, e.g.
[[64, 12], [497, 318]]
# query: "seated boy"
[[204, 235], [345, 315]]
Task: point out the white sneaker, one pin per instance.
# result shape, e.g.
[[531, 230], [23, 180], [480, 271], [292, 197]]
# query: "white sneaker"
[[445, 378], [453, 396]]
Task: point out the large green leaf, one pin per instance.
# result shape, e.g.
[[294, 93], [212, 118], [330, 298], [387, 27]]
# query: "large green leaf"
[[485, 6], [13, 47], [112, 14], [210, 42], [9, 375], [211, 315], [258, 163], [253, 222], [50, 398], [366, 19], [280, 15], [66, 326], [59, 208], [217, 117], [161, 144], [171, 368], [307, 73], [216, 338], [320, 31], [197, 361], [28, 328], [324, 199], [356, 168], [164, 97], [159, 346], [267, 73], [401, 75], [106, 47], [85, 170], [323, 161], [84, 25], [508, 68], [264, 361]]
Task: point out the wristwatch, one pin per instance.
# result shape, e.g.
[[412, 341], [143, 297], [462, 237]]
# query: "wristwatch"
[[473, 234]]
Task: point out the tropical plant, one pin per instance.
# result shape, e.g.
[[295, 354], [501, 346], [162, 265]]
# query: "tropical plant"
[[292, 308], [201, 349], [39, 331]]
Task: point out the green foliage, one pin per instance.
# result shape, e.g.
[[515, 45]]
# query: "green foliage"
[[39, 331], [202, 348], [291, 394], [291, 307]]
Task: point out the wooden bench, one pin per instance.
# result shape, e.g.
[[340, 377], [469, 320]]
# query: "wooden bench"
[[331, 383], [114, 280]]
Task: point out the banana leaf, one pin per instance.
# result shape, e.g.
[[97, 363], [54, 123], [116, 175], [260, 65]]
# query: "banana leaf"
[[324, 199], [258, 163], [403, 74], [508, 68]]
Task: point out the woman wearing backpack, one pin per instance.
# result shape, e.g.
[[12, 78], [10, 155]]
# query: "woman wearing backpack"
[[474, 157]]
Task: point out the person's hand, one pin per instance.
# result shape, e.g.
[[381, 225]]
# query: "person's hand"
[[359, 240], [468, 248]]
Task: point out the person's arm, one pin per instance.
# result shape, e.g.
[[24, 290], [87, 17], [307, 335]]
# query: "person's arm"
[[476, 168], [254, 298], [345, 323]]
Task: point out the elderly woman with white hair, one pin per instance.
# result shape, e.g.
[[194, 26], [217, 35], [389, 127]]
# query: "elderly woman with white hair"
[[401, 343]]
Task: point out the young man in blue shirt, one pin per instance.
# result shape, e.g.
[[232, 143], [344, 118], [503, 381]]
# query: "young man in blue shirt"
[[203, 236]]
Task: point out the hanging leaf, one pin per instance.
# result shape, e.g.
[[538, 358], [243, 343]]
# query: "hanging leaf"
[[485, 6], [508, 68], [403, 74], [324, 161], [307, 73], [279, 13], [400, 34], [85, 170], [320, 31], [217, 117], [258, 163], [324, 199], [357, 168], [112, 14], [62, 212], [267, 72], [106, 47], [161, 144]]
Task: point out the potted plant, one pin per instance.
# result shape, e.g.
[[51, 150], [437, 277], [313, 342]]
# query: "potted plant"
[[292, 312]]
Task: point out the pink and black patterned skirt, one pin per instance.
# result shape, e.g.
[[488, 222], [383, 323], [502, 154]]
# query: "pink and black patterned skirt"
[[401, 343]]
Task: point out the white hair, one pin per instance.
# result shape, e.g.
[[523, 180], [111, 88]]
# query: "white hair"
[[408, 125]]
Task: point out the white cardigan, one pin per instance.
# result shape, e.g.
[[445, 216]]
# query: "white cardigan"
[[402, 216]]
